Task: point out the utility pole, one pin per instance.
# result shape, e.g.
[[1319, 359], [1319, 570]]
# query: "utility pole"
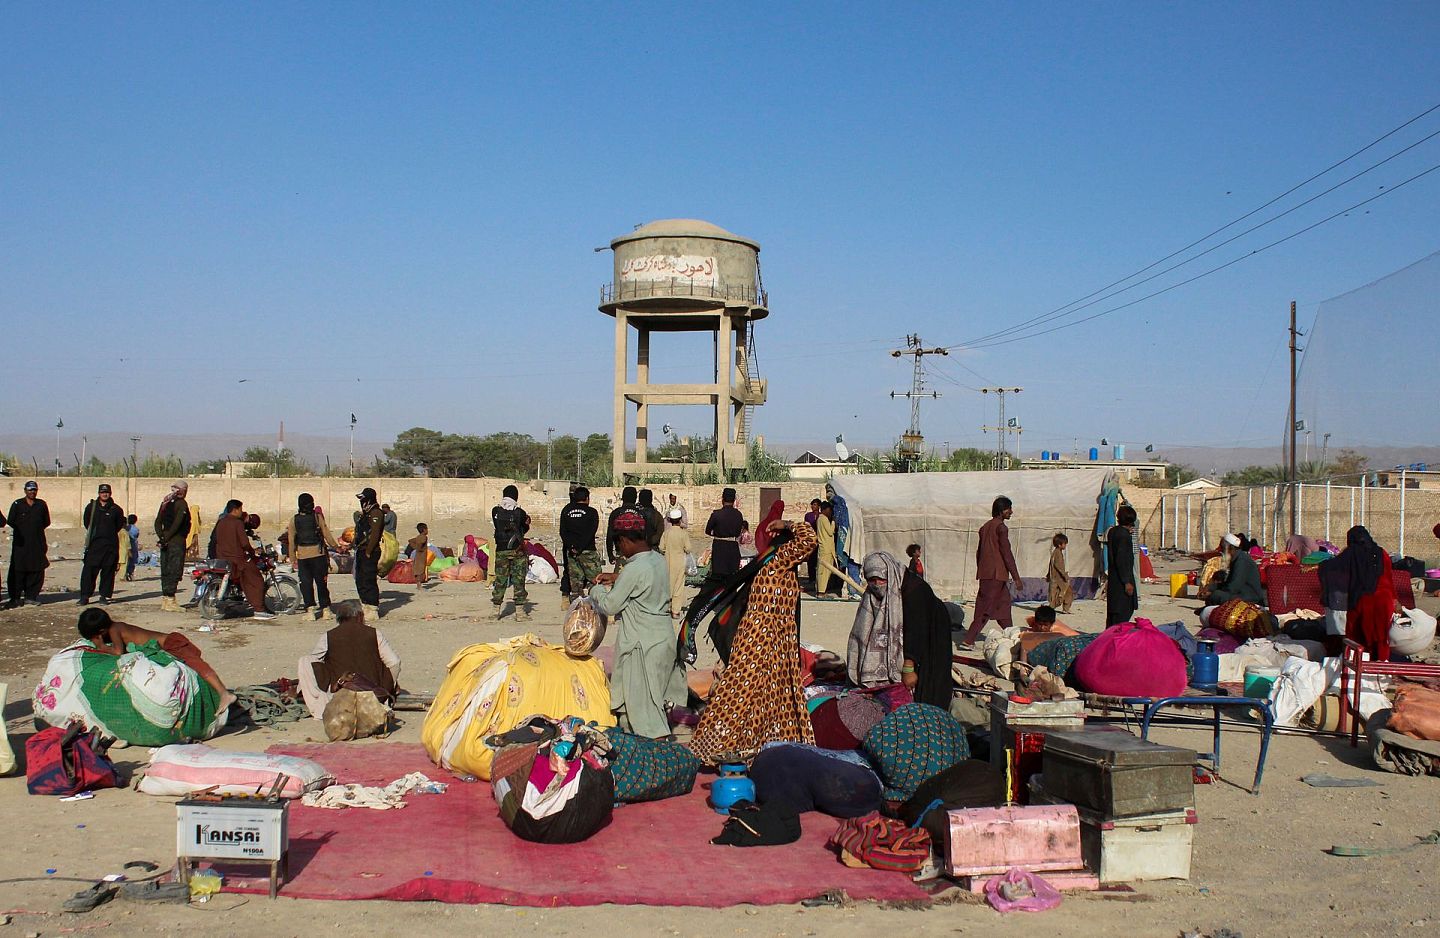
[[579, 463], [1003, 428], [1291, 470], [59, 422], [135, 454], [549, 453], [912, 444]]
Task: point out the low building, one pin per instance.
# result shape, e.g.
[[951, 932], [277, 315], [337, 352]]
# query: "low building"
[[1195, 485], [810, 467], [1131, 471]]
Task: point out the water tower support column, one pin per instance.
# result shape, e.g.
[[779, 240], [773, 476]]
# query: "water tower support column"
[[642, 409], [724, 349], [622, 357]]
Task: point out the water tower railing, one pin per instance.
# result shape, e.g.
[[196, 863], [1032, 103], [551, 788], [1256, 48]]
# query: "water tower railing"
[[679, 287]]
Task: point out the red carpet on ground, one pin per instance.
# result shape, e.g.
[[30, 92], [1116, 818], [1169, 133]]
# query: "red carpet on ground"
[[453, 848]]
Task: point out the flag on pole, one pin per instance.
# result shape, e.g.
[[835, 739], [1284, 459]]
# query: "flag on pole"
[[352, 420], [59, 422]]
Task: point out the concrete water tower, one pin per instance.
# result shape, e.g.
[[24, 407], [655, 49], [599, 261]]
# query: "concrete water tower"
[[684, 275]]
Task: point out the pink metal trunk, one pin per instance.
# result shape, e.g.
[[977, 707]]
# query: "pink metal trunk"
[[992, 840]]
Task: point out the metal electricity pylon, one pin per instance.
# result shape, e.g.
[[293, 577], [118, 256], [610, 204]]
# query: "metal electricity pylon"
[[912, 444]]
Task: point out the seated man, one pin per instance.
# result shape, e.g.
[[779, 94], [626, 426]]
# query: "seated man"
[[1242, 581], [352, 647], [1044, 620], [1040, 628], [115, 638]]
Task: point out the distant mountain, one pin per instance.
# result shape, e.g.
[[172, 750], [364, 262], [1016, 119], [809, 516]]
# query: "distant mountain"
[[191, 448]]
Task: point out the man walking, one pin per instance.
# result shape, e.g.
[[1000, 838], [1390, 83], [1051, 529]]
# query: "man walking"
[[28, 518], [172, 528], [369, 529], [104, 523], [995, 569], [724, 530], [232, 544], [510, 563], [579, 523], [628, 497], [676, 506]]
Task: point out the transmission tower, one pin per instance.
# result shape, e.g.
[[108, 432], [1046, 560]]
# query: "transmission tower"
[[912, 444], [1003, 428]]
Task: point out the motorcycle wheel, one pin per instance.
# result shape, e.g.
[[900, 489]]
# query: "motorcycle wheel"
[[209, 605], [282, 595]]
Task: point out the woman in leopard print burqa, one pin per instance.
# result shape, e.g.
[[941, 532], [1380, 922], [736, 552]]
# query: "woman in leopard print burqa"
[[757, 698]]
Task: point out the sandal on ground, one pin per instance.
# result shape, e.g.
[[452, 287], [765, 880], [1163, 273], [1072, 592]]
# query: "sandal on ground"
[[151, 891], [87, 899]]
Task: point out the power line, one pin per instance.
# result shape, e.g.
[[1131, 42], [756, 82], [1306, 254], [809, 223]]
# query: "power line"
[[1060, 310], [1212, 270], [1221, 244]]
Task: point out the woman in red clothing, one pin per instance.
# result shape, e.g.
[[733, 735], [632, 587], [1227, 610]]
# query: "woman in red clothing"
[[1358, 581]]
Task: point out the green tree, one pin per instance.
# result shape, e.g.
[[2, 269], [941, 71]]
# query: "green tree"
[[1254, 475], [270, 464]]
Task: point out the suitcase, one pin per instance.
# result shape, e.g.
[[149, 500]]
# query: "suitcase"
[[1116, 775], [1008, 717], [1133, 849], [983, 841]]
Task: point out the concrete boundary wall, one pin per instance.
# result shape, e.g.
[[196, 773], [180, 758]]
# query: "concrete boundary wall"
[[413, 499]]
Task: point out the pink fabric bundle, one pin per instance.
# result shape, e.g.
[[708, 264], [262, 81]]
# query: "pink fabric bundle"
[[1133, 659]]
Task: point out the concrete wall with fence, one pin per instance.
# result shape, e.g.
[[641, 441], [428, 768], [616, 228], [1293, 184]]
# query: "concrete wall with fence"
[[413, 499], [1400, 519]]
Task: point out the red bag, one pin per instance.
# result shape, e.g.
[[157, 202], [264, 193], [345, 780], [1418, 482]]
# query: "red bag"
[[67, 762], [883, 843], [1133, 659]]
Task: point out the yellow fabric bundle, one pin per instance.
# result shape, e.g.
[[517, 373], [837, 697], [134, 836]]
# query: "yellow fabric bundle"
[[491, 688], [389, 552]]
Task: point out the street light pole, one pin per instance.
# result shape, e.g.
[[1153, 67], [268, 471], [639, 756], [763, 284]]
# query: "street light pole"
[[549, 453]]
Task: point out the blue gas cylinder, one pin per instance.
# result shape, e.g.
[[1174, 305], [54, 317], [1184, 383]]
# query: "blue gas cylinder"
[[1205, 667], [733, 785]]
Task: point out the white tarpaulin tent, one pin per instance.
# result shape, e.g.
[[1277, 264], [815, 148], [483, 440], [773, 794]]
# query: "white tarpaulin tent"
[[943, 512]]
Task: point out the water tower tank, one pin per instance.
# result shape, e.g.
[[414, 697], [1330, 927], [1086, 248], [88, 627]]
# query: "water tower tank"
[[1094, 453], [1120, 452], [1044, 455], [683, 263]]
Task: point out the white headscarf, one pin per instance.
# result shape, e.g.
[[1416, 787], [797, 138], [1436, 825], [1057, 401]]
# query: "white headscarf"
[[877, 640]]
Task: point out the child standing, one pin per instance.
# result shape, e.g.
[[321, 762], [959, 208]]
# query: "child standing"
[[420, 554], [917, 566], [1061, 594]]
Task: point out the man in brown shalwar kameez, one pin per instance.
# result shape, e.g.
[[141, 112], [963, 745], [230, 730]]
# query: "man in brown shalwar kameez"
[[995, 569]]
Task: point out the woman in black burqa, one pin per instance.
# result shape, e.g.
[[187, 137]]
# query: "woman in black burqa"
[[1122, 593]]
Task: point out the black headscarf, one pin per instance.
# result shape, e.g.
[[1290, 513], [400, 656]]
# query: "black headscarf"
[[1354, 573]]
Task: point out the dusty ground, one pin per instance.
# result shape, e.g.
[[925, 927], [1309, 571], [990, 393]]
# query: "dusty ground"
[[1259, 866]]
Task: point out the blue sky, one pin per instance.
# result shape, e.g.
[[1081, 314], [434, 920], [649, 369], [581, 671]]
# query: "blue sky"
[[392, 211]]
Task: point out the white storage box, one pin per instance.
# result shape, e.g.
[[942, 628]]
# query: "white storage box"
[[1127, 850], [1132, 849]]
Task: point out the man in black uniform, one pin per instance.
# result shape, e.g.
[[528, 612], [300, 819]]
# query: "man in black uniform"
[[654, 524], [724, 527], [28, 518], [579, 523], [104, 524], [627, 502], [369, 528]]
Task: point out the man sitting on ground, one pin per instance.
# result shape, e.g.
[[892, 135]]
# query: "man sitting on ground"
[[115, 638], [1242, 581], [1045, 620], [352, 647]]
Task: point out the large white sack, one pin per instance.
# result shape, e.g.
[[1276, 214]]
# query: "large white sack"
[[180, 769], [1412, 633], [540, 571]]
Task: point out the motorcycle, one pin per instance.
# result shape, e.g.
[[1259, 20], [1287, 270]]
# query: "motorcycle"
[[218, 596]]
